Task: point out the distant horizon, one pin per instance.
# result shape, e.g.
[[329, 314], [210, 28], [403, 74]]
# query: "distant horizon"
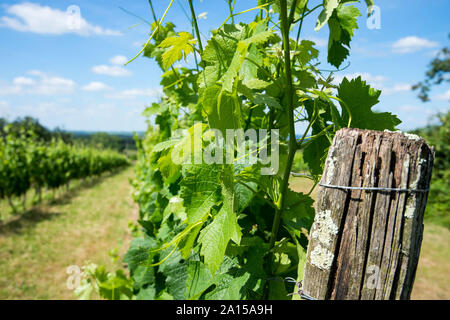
[[131, 132], [109, 132], [79, 82]]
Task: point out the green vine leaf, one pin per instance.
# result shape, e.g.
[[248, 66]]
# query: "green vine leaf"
[[328, 8], [306, 52], [214, 238], [199, 279], [222, 109], [138, 254], [175, 270], [360, 98], [200, 191], [179, 46], [342, 25], [299, 213], [165, 145]]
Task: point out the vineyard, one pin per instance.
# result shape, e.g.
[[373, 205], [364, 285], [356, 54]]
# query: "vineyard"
[[263, 172], [225, 229], [27, 163]]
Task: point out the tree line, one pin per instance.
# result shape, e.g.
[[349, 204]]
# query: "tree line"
[[29, 161], [121, 142]]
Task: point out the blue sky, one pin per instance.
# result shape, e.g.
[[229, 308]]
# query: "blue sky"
[[75, 79]]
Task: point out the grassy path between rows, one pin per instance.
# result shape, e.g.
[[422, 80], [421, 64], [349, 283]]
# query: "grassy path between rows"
[[86, 222], [433, 273], [82, 225]]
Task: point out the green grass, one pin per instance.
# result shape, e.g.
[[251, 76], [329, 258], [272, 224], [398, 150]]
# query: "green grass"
[[433, 273], [299, 164], [90, 219], [81, 225]]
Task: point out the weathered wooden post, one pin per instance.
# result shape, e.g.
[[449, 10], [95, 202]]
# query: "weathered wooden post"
[[366, 237]]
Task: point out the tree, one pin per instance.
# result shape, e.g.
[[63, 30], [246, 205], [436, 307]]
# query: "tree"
[[3, 123], [437, 73], [29, 125]]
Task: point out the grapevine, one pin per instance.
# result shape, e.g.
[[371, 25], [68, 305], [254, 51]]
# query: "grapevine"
[[227, 231], [26, 163]]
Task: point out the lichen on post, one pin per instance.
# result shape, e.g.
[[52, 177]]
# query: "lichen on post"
[[365, 244]]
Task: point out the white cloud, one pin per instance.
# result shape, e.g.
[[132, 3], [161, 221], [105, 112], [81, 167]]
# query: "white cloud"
[[113, 71], [412, 44], [94, 116], [119, 60], [37, 73], [318, 41], [413, 110], [32, 17], [24, 81], [376, 81], [55, 85], [444, 96], [397, 88], [138, 44], [4, 108], [41, 84], [7, 89], [134, 93], [96, 86], [50, 113], [410, 108], [203, 15]]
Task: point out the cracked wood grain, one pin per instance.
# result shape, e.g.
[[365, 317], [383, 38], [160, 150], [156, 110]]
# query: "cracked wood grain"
[[374, 253]]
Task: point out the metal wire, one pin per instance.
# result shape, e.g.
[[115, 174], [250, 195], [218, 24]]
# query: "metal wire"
[[301, 175], [374, 188], [298, 284]]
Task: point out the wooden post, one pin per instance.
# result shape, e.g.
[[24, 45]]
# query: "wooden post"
[[366, 244]]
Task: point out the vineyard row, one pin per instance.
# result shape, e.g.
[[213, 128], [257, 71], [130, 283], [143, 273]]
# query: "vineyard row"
[[26, 163]]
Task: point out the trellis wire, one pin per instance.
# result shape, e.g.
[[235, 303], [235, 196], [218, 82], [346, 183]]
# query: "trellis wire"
[[374, 188]]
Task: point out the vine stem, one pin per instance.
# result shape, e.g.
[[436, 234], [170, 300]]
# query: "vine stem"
[[194, 21], [301, 25], [153, 11], [153, 34], [230, 7], [292, 139], [292, 13]]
